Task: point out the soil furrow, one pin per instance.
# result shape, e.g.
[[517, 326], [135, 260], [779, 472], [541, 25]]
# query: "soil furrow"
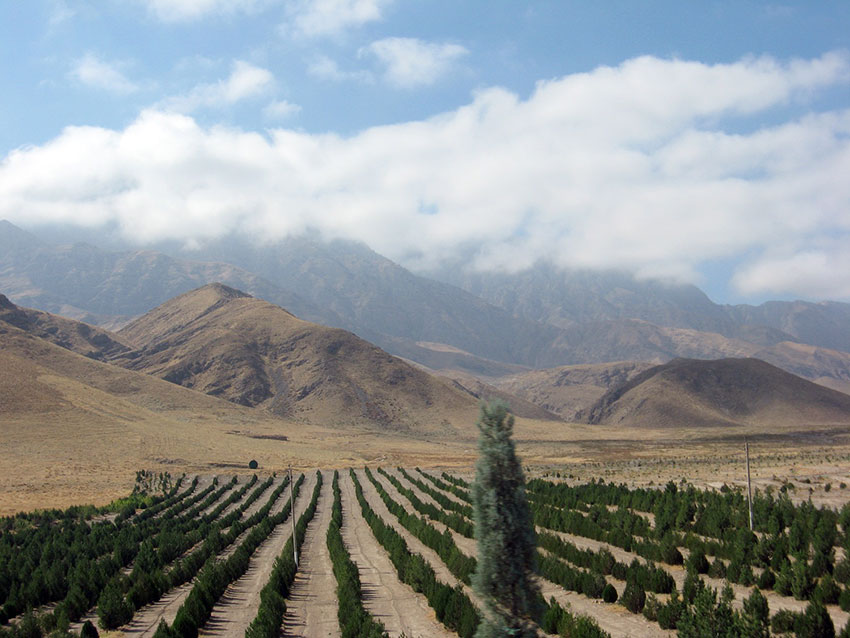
[[239, 604], [391, 602], [311, 609]]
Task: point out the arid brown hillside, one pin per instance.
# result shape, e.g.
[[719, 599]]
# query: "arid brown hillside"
[[225, 343], [830, 368], [486, 392], [689, 392], [569, 389], [76, 336], [74, 429]]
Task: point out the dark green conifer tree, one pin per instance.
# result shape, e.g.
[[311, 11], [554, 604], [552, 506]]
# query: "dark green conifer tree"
[[756, 617], [504, 530]]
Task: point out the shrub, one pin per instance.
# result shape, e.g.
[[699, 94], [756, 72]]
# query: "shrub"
[[815, 622], [827, 591], [698, 562], [650, 609], [89, 630], [717, 569], [112, 610], [844, 600], [669, 614], [801, 582], [633, 598], [841, 572], [767, 579], [609, 594], [783, 622], [252, 464]]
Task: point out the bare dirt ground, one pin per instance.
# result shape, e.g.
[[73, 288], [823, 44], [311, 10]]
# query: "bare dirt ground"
[[238, 605], [311, 609], [391, 602]]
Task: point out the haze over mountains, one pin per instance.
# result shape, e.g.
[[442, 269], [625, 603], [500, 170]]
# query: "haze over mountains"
[[491, 326]]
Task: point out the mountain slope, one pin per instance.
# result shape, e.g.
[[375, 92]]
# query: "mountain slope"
[[563, 298], [567, 390], [76, 336], [223, 342], [688, 393], [75, 429], [830, 368]]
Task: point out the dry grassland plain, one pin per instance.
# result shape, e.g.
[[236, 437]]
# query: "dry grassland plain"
[[58, 459]]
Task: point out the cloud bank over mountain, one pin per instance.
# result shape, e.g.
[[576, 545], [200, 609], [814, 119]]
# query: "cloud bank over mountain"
[[651, 166]]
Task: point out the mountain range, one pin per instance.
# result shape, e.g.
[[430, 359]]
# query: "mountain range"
[[486, 325]]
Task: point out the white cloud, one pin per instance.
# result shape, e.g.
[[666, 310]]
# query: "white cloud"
[[187, 10], [245, 81], [410, 62], [325, 68], [630, 167], [330, 17], [60, 13], [813, 272], [280, 109], [96, 73]]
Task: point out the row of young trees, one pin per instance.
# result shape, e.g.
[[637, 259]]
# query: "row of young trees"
[[584, 570], [71, 560], [216, 576], [458, 563], [267, 622], [155, 572], [458, 522], [790, 567], [354, 620], [451, 605], [448, 504]]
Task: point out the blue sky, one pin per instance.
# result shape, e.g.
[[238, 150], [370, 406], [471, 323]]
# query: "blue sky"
[[703, 142]]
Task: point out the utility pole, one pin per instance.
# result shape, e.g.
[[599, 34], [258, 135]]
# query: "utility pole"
[[292, 517], [749, 485]]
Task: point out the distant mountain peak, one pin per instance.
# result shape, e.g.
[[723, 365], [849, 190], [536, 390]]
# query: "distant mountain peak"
[[221, 290], [5, 304], [739, 391]]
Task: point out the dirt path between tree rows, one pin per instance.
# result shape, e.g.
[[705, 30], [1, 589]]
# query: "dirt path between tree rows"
[[238, 606], [311, 609], [146, 620], [391, 602]]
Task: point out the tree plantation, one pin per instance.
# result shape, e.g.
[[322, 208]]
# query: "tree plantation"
[[216, 556]]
